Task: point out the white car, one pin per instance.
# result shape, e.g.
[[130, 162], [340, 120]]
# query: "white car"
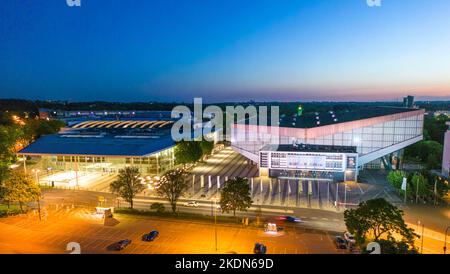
[[193, 204], [349, 238]]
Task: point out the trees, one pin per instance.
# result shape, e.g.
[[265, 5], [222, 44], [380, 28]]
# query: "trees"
[[172, 185], [422, 185], [128, 184], [158, 207], [206, 147], [396, 247], [187, 152], [235, 195], [9, 136], [419, 186], [36, 128], [19, 188], [427, 152], [378, 219]]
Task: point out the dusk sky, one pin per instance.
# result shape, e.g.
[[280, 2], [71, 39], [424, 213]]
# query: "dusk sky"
[[230, 50]]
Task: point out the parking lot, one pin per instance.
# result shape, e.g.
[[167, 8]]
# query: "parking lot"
[[26, 234]]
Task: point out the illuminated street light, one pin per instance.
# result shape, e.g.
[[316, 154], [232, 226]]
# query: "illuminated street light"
[[215, 199], [36, 171]]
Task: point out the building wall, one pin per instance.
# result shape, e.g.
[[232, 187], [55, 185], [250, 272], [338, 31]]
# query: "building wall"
[[446, 156], [155, 164], [368, 135]]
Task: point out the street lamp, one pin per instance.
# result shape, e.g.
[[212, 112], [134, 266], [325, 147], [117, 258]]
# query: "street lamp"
[[445, 239], [421, 243], [215, 199], [36, 171]]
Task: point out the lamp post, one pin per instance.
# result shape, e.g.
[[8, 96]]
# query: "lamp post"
[[421, 244], [445, 239], [215, 220], [36, 171]]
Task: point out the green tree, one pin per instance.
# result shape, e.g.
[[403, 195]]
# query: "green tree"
[[378, 219], [35, 128], [158, 207], [187, 152], [428, 152], [19, 188], [419, 186], [396, 178], [172, 185], [396, 247], [206, 147], [9, 136], [128, 184], [235, 195]]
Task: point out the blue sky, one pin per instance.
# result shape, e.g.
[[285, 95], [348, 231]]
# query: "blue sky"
[[224, 50]]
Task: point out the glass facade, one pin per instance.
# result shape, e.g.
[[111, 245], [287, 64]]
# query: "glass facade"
[[155, 164], [367, 139]]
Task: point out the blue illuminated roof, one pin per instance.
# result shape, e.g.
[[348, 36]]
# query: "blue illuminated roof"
[[99, 145]]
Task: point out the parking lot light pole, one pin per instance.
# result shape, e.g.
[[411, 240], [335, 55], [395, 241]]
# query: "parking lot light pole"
[[215, 220], [421, 244], [445, 239]]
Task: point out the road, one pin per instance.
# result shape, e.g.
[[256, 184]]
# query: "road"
[[311, 218]]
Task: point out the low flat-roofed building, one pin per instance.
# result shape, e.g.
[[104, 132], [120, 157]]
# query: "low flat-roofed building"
[[107, 146]]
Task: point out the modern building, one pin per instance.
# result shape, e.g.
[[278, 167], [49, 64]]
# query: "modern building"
[[408, 101], [446, 156], [370, 137], [106, 146]]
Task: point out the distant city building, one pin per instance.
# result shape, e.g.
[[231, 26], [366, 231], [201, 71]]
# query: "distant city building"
[[446, 156], [408, 101], [330, 144]]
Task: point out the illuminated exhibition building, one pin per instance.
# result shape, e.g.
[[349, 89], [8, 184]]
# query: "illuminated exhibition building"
[[107, 146], [331, 144]]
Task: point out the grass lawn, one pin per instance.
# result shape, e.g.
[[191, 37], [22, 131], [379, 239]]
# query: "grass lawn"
[[180, 215], [12, 210]]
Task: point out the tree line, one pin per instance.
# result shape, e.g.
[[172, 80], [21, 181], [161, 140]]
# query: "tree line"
[[17, 130], [422, 186], [234, 195], [429, 151]]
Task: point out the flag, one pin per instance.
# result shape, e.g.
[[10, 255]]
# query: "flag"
[[404, 184]]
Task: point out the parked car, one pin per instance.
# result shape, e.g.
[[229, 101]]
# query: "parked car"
[[349, 238], [150, 236], [122, 244], [259, 249], [192, 204], [340, 243]]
